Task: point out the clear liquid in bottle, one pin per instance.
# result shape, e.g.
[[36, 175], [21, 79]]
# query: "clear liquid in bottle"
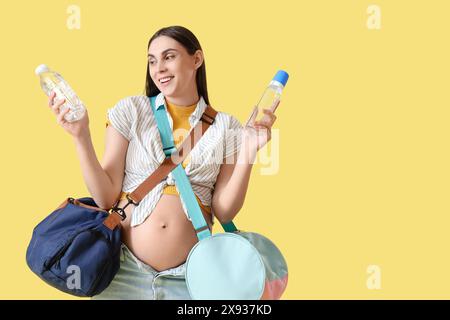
[[53, 81], [272, 95]]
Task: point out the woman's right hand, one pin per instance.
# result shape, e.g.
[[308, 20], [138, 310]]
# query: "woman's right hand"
[[76, 129]]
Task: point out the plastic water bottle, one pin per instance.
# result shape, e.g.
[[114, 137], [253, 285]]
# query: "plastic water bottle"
[[53, 81], [272, 95]]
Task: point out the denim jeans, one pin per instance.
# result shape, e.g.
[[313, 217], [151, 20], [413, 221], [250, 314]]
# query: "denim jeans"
[[136, 280]]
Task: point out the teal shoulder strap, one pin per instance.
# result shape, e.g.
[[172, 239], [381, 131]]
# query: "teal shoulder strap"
[[181, 180]]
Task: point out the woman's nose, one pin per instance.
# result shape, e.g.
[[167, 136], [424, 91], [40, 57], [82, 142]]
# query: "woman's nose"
[[161, 66]]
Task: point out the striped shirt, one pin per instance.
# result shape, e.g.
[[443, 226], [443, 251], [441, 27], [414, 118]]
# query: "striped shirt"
[[134, 119]]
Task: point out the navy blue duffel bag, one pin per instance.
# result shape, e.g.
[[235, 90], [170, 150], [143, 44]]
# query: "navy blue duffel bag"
[[76, 249]]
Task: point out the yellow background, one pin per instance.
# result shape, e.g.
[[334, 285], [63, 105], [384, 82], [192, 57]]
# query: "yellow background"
[[364, 135]]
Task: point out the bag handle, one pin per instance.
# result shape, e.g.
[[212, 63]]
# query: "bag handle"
[[177, 156], [181, 179]]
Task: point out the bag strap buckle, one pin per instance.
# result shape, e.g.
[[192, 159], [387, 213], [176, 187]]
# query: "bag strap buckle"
[[207, 118], [131, 200], [201, 229], [121, 211], [168, 150]]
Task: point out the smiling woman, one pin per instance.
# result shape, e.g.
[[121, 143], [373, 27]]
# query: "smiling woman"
[[172, 69], [157, 234]]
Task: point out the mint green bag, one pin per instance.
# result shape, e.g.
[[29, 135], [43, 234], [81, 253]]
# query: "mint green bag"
[[236, 265]]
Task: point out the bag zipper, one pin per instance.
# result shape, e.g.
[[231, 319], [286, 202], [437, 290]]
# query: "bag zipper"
[[80, 204], [60, 253]]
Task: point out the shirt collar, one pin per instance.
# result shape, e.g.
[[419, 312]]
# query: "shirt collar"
[[201, 106]]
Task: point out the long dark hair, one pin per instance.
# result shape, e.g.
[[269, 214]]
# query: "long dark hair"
[[190, 42]]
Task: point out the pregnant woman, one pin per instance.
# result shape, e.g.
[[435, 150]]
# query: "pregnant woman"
[[157, 234]]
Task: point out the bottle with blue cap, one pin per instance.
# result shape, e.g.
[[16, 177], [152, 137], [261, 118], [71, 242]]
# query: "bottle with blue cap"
[[53, 81], [272, 95]]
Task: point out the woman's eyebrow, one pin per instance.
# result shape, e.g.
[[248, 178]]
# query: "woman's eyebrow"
[[162, 53]]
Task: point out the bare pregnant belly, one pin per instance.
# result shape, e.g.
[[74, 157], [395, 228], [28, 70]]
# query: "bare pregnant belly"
[[165, 238]]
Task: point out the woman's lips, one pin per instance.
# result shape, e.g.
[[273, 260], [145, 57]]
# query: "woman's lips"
[[166, 82]]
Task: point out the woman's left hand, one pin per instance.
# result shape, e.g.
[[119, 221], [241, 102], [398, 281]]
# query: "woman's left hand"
[[256, 134]]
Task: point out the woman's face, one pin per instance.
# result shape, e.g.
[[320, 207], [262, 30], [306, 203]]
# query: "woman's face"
[[172, 69]]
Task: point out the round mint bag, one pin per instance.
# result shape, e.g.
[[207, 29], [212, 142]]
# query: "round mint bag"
[[225, 266]]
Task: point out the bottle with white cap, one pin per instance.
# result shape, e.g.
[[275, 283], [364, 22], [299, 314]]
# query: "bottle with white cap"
[[272, 95], [53, 81]]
